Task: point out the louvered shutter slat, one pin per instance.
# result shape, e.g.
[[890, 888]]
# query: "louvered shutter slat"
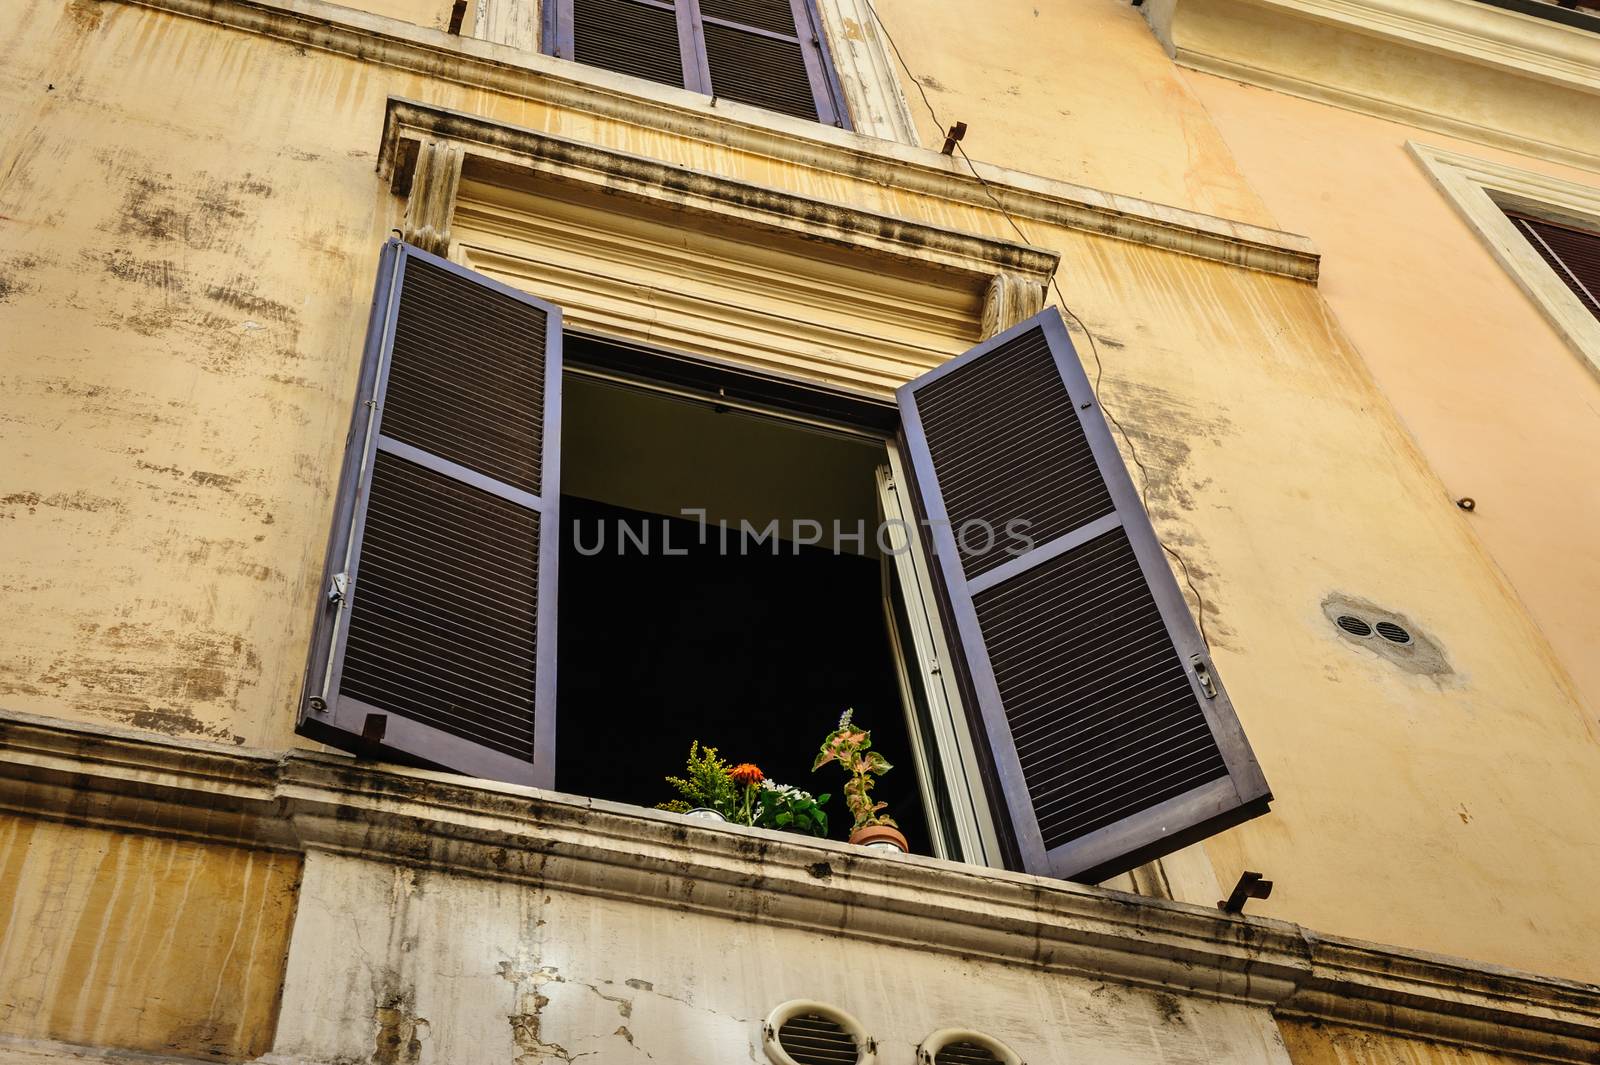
[[1078, 650], [1574, 254], [629, 37], [444, 634], [759, 70]]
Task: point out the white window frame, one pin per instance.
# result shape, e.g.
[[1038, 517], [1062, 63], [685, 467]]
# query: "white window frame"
[[1482, 191]]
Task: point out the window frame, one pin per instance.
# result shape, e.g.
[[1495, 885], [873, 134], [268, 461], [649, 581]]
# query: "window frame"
[[1482, 191], [557, 38]]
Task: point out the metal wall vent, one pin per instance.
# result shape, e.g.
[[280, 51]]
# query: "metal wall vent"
[[1392, 632], [1385, 632], [801, 1032], [962, 1046], [1354, 625], [965, 1053]]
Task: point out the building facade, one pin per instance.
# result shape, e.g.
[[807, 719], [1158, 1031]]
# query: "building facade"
[[1292, 303]]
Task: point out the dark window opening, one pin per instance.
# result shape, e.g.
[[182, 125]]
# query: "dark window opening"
[[755, 649]]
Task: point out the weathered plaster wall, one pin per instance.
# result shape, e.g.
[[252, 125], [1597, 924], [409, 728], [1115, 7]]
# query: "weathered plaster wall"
[[1500, 405], [1329, 1044], [404, 966], [191, 219], [1078, 91], [139, 942]]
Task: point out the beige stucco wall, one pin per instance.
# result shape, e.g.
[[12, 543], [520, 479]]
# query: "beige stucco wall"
[[1503, 408], [1080, 92], [188, 259], [133, 941], [1311, 1043]]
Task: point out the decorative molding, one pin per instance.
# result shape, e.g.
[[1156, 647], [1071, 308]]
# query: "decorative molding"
[[435, 176], [1010, 299], [121, 778], [866, 71], [1541, 103], [1480, 190], [525, 158], [824, 150]]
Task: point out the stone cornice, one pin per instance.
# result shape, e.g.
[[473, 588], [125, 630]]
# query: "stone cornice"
[[1304, 48], [303, 801], [527, 159], [824, 149]]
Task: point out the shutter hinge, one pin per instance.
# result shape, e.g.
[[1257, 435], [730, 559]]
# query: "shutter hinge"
[[933, 668], [338, 587], [1202, 672]]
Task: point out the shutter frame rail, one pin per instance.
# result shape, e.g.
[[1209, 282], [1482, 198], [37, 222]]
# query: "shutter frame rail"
[[1151, 830], [335, 717]]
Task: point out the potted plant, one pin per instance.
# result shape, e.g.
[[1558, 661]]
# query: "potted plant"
[[713, 790], [707, 788], [851, 747]]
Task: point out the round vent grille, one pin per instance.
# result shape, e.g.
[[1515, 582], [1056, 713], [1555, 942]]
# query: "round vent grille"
[[1392, 632], [962, 1046], [812, 1039], [965, 1053], [1354, 625], [811, 1033]]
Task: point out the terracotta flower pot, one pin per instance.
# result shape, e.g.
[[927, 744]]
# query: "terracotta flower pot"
[[880, 837]]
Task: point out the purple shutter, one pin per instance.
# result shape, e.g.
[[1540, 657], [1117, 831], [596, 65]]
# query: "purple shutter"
[[435, 634], [1111, 737], [652, 39], [768, 53], [771, 53]]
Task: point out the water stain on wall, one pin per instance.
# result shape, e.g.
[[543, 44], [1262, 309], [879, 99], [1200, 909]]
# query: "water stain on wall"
[[135, 942]]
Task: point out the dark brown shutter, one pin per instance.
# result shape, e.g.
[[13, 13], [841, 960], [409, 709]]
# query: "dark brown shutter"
[[1112, 739], [435, 638], [1574, 254], [769, 53], [644, 38]]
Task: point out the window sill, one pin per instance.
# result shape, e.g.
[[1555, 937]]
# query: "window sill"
[[302, 801]]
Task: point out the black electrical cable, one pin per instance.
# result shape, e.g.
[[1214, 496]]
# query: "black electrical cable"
[[1094, 348]]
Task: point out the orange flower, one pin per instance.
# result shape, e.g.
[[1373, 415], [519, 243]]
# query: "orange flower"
[[744, 774]]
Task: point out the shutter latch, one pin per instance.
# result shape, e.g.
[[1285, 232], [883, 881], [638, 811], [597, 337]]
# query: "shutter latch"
[[1202, 672], [338, 587]]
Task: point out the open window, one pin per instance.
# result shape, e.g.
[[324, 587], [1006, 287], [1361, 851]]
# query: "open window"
[[741, 558]]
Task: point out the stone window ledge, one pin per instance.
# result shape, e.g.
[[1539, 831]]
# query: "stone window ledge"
[[305, 801]]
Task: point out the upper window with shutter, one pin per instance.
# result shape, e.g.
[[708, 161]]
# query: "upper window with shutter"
[[1110, 737], [435, 638], [768, 53], [1573, 253]]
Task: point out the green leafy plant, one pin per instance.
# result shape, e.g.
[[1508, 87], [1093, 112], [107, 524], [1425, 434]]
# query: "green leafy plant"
[[742, 794], [792, 810], [851, 747], [707, 782]]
